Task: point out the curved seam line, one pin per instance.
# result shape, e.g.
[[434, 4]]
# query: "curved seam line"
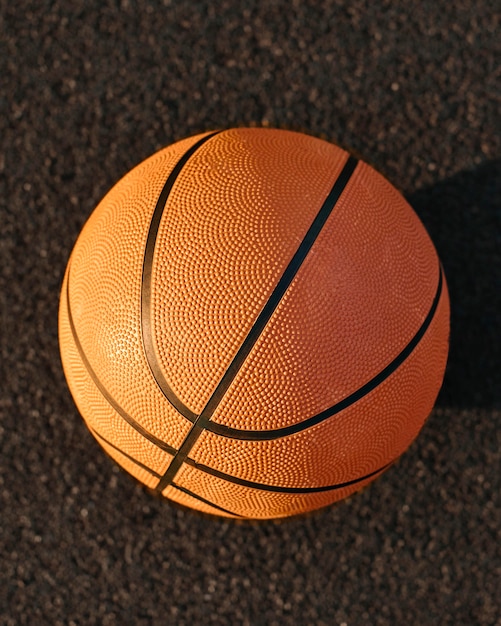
[[278, 488], [268, 435], [241, 481], [146, 291], [197, 497], [128, 456], [114, 405]]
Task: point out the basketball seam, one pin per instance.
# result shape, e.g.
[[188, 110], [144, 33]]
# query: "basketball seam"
[[104, 392], [197, 497], [279, 488], [289, 273], [358, 394], [241, 481], [128, 456], [146, 291]]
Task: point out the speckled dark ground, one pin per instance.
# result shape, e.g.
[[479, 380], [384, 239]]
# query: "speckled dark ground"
[[89, 89]]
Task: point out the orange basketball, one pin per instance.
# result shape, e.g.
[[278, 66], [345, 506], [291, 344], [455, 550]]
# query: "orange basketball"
[[253, 323]]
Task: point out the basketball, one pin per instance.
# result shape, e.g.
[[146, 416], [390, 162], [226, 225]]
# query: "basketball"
[[253, 323]]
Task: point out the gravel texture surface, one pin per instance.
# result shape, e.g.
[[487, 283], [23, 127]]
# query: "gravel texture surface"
[[87, 90]]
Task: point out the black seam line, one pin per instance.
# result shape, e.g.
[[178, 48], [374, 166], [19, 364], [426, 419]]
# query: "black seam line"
[[240, 481], [267, 435], [283, 284], [130, 420], [146, 326], [156, 475], [277, 488], [194, 495], [135, 461]]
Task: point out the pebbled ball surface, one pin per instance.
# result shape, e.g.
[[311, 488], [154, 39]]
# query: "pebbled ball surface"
[[206, 256]]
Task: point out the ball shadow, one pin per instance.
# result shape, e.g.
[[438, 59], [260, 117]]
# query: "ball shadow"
[[463, 218]]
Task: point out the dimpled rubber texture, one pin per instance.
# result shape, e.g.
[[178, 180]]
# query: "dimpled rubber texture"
[[339, 380], [233, 221]]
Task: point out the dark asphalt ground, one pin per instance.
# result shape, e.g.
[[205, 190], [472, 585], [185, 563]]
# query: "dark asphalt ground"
[[87, 90]]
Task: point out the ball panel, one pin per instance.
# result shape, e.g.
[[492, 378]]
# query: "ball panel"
[[234, 218], [364, 437], [105, 295], [98, 413], [359, 297], [256, 503]]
